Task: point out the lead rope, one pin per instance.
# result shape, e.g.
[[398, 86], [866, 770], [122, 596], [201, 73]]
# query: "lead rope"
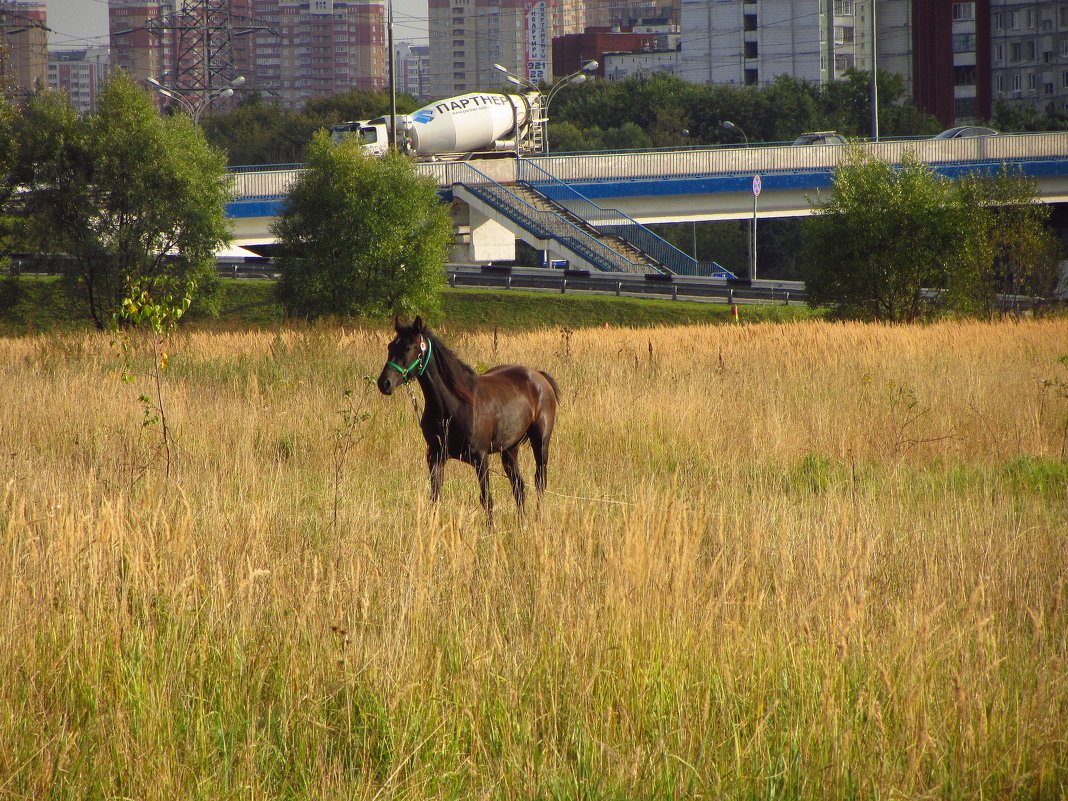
[[411, 394]]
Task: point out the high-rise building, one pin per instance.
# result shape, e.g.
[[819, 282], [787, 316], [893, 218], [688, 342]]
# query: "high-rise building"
[[320, 47], [134, 47], [412, 63], [467, 37], [745, 42], [951, 60], [1029, 53], [80, 73], [23, 46], [291, 50]]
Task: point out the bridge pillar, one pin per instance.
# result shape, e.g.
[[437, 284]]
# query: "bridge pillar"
[[479, 239]]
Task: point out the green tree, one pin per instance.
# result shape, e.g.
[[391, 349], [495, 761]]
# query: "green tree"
[[8, 185], [361, 235], [885, 235], [1015, 251], [129, 197]]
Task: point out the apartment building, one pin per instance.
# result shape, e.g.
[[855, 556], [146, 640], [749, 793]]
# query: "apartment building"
[[1029, 53], [80, 73], [749, 43], [412, 63], [134, 48], [23, 46]]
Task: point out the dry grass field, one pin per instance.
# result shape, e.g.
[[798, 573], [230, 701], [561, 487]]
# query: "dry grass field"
[[779, 561]]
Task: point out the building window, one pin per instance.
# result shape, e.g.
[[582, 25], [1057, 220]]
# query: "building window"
[[964, 11], [1047, 88], [843, 34], [1014, 51], [751, 77], [843, 61], [750, 49], [1016, 83], [999, 83], [1032, 83], [999, 21], [999, 52], [1030, 16], [964, 76], [1029, 48], [749, 22], [843, 8], [964, 107], [1064, 80], [964, 43], [1014, 19]]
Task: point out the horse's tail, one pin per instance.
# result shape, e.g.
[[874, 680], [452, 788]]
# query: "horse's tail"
[[552, 383]]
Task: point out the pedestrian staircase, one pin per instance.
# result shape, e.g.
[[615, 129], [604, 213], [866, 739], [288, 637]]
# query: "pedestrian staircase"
[[551, 216], [547, 226]]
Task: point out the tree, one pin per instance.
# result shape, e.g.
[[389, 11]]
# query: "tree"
[[1015, 251], [885, 235], [129, 197], [8, 185], [361, 235], [888, 234]]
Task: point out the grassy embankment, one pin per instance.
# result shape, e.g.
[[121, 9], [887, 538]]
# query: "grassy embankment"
[[802, 561], [250, 303]]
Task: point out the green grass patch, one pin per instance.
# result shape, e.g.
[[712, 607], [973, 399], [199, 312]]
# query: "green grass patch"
[[31, 304], [511, 309]]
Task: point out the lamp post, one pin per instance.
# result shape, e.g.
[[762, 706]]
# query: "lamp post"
[[730, 126], [580, 75], [196, 105]]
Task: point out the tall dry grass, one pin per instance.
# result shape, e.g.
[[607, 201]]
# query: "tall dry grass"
[[809, 561]]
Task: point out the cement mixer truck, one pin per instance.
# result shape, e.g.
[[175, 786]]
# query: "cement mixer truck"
[[465, 126]]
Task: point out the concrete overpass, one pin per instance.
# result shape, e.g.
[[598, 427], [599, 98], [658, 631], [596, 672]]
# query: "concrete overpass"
[[610, 190]]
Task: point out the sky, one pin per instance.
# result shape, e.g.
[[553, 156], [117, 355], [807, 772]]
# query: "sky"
[[84, 23]]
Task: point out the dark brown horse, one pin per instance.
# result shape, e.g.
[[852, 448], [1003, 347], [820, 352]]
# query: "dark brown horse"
[[468, 416]]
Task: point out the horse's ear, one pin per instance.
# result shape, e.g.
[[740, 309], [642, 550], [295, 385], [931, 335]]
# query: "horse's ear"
[[418, 324], [396, 323]]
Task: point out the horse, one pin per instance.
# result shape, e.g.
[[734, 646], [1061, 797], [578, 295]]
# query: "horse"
[[467, 416]]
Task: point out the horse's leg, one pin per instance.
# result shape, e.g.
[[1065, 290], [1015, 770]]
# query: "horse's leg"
[[481, 464], [435, 460], [510, 461], [539, 443]]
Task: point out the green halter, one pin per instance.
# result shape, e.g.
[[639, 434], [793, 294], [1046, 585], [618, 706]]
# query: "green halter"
[[422, 361]]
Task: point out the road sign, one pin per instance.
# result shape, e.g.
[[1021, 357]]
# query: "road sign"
[[756, 186]]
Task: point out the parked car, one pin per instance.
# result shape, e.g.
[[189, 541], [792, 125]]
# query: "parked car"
[[966, 132], [820, 138]]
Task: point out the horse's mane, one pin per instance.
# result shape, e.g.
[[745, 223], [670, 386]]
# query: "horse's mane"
[[459, 377]]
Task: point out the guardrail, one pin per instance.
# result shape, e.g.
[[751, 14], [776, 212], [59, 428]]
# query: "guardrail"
[[735, 290], [563, 281]]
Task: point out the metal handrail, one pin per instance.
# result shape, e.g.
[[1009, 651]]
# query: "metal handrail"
[[543, 224], [610, 221]]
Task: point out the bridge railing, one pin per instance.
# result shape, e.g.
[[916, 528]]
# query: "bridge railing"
[[545, 225], [610, 221], [274, 181], [763, 159]]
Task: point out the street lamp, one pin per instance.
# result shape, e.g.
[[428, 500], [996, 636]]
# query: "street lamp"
[[196, 105], [578, 76], [574, 79], [730, 126]]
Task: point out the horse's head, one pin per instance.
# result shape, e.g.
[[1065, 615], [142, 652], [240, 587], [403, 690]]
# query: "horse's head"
[[406, 357]]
